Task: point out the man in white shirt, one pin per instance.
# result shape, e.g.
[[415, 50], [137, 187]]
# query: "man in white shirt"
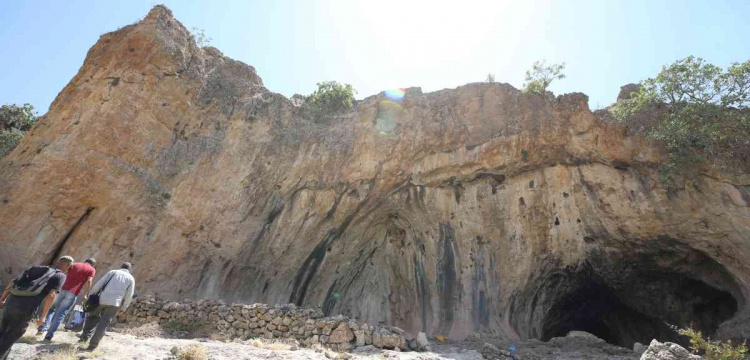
[[115, 290]]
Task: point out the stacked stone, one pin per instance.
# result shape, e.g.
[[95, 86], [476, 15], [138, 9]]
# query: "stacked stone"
[[308, 326]]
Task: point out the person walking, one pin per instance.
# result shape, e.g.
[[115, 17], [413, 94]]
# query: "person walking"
[[79, 279], [114, 292], [24, 295]]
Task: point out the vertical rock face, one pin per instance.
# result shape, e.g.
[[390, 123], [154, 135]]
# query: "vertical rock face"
[[476, 209]]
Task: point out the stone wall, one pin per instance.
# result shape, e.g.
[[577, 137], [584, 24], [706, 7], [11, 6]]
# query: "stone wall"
[[308, 326]]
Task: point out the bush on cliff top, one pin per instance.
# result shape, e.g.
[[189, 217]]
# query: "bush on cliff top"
[[330, 98], [703, 117]]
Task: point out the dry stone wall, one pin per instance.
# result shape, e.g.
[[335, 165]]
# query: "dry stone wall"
[[308, 326]]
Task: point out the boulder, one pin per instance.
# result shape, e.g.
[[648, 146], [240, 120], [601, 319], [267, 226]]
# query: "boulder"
[[626, 91], [342, 334], [385, 339], [667, 351]]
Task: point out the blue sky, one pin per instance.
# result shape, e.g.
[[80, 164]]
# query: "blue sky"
[[383, 44]]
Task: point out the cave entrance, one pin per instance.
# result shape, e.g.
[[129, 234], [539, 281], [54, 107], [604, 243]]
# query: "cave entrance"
[[622, 320], [635, 296]]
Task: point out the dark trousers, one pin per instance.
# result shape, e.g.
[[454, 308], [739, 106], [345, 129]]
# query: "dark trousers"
[[16, 316], [99, 319]]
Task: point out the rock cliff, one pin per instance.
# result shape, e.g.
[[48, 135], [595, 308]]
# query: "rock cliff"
[[476, 209]]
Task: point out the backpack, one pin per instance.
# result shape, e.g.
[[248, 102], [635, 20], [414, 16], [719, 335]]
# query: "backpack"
[[32, 281]]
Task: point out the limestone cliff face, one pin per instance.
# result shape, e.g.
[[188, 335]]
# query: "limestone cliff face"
[[476, 209]]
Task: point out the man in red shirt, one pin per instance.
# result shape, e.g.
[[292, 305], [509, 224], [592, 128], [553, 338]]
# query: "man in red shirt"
[[80, 276]]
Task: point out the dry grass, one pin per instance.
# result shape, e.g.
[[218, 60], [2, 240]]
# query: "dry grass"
[[330, 354], [217, 336], [270, 344], [180, 329], [149, 330], [27, 339], [274, 344], [193, 328], [192, 352], [63, 352]]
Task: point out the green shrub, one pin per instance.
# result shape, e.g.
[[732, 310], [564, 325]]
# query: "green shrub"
[[330, 98], [714, 350], [699, 113], [541, 75], [199, 35], [9, 140], [17, 117], [14, 122]]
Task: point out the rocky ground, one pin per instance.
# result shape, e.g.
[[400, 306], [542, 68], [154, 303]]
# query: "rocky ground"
[[576, 345], [122, 345]]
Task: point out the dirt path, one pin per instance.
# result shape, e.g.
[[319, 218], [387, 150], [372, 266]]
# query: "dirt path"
[[116, 346]]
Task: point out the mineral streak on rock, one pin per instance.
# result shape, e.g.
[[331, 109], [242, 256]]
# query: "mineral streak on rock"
[[475, 209]]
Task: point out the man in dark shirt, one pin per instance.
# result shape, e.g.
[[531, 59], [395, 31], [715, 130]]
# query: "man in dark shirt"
[[20, 309]]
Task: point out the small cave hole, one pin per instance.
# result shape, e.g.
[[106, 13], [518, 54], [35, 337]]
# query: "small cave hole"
[[557, 221]]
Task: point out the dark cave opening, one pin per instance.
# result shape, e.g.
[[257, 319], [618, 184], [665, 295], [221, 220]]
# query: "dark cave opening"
[[626, 292], [639, 313]]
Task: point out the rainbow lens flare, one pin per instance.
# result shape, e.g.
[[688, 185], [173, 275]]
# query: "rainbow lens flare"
[[395, 94], [387, 118]]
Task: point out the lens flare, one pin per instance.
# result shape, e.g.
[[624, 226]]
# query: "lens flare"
[[395, 94], [387, 118]]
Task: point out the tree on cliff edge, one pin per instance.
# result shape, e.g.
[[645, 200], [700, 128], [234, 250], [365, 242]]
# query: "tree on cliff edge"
[[541, 75], [699, 111], [329, 99], [14, 122]]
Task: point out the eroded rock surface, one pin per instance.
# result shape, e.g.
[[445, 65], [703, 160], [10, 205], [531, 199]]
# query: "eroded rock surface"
[[476, 209]]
